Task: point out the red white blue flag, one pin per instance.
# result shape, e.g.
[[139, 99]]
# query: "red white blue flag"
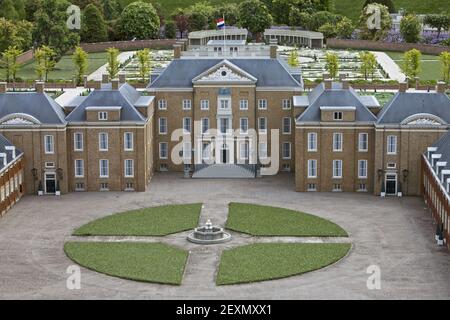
[[220, 23]]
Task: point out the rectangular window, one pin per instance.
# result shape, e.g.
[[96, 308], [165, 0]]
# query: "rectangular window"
[[187, 104], [286, 125], [312, 141], [104, 186], [243, 125], [244, 150], [163, 125], [243, 104], [362, 187], [79, 168], [104, 168], [362, 169], [262, 104], [163, 150], [311, 187], [337, 142], [129, 186], [206, 150], [49, 144], [286, 150], [187, 125], [128, 143], [103, 116], [205, 125], [312, 168], [337, 115], [286, 103], [224, 104], [262, 125], [78, 141], [204, 104], [263, 150], [79, 186], [392, 145], [224, 125], [187, 151], [363, 142], [337, 169], [337, 187], [129, 168], [103, 141], [162, 104]]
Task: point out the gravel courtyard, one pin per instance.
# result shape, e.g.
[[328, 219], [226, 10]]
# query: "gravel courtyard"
[[395, 234]]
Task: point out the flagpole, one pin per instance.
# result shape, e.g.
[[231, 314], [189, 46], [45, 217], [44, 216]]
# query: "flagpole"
[[224, 35]]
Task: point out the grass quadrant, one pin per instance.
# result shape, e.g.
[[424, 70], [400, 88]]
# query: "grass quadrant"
[[268, 261], [272, 221], [149, 262], [155, 221]]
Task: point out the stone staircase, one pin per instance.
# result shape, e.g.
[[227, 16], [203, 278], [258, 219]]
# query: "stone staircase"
[[224, 171]]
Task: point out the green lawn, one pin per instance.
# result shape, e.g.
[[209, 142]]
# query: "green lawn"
[[64, 69], [383, 97], [155, 221], [431, 66], [149, 262], [270, 221], [266, 261], [352, 8]]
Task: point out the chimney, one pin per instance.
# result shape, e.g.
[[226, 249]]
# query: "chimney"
[[3, 87], [105, 78], [115, 84], [97, 85], [440, 88], [122, 77], [177, 51], [345, 84], [273, 45], [39, 86], [328, 83], [403, 86]]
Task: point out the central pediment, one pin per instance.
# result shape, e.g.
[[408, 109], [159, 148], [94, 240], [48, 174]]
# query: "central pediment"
[[224, 72]]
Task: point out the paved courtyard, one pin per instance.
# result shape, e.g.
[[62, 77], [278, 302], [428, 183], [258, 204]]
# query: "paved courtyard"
[[395, 234]]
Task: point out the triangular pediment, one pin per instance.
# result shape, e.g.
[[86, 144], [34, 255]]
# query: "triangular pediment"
[[224, 72]]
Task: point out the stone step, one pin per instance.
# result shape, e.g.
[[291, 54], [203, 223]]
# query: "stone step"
[[225, 171]]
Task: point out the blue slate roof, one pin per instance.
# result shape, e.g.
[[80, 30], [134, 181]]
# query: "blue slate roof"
[[405, 104], [180, 72], [126, 97], [335, 97], [37, 105], [3, 144]]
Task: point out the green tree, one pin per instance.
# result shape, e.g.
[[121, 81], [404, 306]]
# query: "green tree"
[[410, 28], [345, 28], [369, 27], [15, 34], [7, 10], [170, 30], [411, 63], [9, 62], [368, 64], [143, 57], [321, 18], [110, 9], [19, 6], [181, 19], [45, 61], [230, 10], [438, 21], [445, 66], [332, 64], [94, 26], [139, 20], [80, 59], [281, 10], [293, 58], [30, 9], [329, 30], [113, 62], [254, 16], [388, 3], [200, 16], [299, 18]]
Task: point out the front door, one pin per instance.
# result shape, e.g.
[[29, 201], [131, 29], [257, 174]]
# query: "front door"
[[50, 183], [391, 184], [225, 154]]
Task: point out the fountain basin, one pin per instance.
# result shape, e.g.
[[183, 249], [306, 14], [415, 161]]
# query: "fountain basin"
[[209, 234]]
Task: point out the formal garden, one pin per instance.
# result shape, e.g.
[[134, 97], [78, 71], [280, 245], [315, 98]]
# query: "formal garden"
[[150, 244]]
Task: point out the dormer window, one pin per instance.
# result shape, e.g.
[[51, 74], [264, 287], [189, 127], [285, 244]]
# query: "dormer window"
[[337, 115], [103, 116]]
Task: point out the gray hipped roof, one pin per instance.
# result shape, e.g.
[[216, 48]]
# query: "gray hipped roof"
[[37, 105], [336, 97], [268, 72], [443, 147], [9, 155], [403, 105], [126, 97]]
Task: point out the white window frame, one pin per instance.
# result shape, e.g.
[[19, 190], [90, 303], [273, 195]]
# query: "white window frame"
[[126, 167], [312, 139], [283, 149], [312, 168], [203, 121], [286, 104], [338, 113], [76, 141], [338, 148], [262, 104], [263, 150], [166, 149], [127, 147], [103, 115], [227, 129], [361, 141], [283, 124], [162, 104], [204, 104], [77, 175], [263, 131], [338, 168], [101, 167], [164, 126], [187, 151], [241, 122], [105, 134], [243, 104], [244, 150], [187, 104], [394, 144], [362, 168], [187, 120], [49, 145]]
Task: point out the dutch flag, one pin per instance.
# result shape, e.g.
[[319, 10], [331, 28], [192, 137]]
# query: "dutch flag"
[[220, 23]]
